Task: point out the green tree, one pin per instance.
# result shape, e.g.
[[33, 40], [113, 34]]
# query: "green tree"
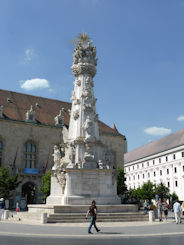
[[45, 186], [121, 186], [162, 191], [147, 191], [173, 197], [8, 183], [136, 194]]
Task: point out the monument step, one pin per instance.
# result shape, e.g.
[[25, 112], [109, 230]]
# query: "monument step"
[[102, 217], [128, 219]]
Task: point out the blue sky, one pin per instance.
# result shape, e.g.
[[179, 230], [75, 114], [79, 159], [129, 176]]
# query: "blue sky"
[[140, 47]]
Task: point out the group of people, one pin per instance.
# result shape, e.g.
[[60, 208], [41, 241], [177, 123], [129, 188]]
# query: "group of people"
[[177, 208], [163, 207]]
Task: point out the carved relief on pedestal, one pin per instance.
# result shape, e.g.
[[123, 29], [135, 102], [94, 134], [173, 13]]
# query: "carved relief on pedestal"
[[77, 102], [88, 155], [73, 96], [77, 82], [76, 114], [100, 164], [57, 157], [88, 130], [72, 153]]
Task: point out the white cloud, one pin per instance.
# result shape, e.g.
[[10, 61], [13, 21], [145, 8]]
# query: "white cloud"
[[180, 118], [29, 55], [157, 131], [35, 83]]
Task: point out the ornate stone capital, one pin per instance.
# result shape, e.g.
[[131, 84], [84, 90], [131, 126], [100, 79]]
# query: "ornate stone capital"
[[83, 68]]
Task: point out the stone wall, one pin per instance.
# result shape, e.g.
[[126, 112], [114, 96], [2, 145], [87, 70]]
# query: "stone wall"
[[116, 144], [14, 135]]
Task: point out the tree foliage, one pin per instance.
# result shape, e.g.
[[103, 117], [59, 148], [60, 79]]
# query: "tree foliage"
[[162, 191], [45, 186], [173, 197], [121, 186], [147, 191], [8, 183]]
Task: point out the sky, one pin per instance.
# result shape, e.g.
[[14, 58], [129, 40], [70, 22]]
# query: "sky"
[[140, 48]]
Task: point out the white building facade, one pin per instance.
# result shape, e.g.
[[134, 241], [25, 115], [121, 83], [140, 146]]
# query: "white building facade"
[[159, 161]]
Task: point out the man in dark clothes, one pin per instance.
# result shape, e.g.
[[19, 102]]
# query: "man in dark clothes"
[[92, 211]]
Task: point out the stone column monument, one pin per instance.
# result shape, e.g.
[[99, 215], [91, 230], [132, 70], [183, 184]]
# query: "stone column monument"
[[83, 167]]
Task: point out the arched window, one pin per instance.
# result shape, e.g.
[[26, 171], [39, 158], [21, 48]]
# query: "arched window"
[[29, 155], [1, 152]]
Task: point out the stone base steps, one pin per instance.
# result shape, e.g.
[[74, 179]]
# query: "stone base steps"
[[102, 217]]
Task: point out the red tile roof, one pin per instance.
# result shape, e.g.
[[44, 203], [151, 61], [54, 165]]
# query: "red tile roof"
[[171, 141], [48, 108]]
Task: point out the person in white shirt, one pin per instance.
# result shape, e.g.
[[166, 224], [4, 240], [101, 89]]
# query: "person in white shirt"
[[177, 211]]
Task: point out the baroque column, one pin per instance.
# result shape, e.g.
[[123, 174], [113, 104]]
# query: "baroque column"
[[83, 128]]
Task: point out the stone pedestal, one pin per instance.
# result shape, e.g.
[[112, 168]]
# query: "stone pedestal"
[[85, 185]]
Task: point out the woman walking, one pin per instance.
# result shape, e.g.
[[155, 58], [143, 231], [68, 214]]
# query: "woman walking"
[[166, 207], [92, 211]]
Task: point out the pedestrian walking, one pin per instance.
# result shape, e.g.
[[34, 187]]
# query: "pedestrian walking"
[[177, 211], [92, 211], [160, 209], [166, 208]]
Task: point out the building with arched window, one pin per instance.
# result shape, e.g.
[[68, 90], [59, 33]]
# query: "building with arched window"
[[30, 126]]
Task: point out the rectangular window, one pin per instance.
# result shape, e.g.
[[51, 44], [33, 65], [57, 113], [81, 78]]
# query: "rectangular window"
[[167, 171], [154, 174], [183, 168], [133, 167], [159, 160], [143, 165], [176, 183], [137, 165], [138, 176], [143, 176], [166, 158], [148, 175], [174, 156], [160, 172], [182, 154], [168, 184], [153, 162], [147, 164], [175, 170]]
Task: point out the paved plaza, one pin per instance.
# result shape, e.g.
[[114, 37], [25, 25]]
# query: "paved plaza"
[[111, 233]]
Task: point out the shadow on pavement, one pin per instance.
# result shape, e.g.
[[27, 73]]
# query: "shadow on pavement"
[[110, 233]]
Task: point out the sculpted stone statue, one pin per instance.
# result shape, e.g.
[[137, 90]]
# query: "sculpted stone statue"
[[88, 156], [87, 126], [72, 153], [57, 157]]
